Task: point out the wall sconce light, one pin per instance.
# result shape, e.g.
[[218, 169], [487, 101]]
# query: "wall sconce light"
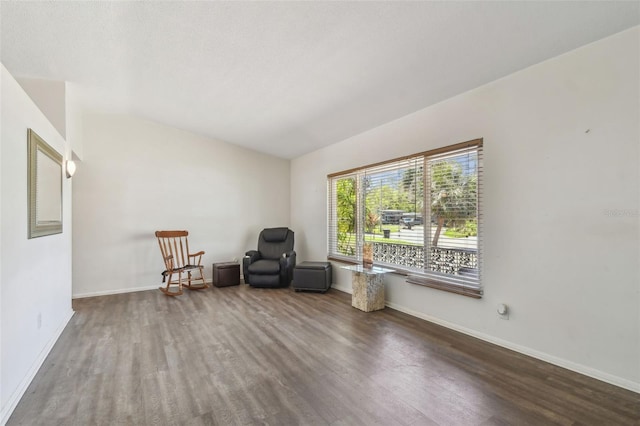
[[70, 167]]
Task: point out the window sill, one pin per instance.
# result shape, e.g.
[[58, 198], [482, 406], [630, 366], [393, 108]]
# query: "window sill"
[[475, 293], [343, 260]]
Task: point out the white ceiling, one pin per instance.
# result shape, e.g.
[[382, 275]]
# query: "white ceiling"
[[286, 78]]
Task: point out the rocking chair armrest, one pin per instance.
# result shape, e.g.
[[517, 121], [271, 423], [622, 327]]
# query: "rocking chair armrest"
[[168, 262], [197, 257]]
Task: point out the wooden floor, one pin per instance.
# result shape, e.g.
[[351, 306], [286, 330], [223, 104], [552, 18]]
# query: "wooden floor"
[[239, 355]]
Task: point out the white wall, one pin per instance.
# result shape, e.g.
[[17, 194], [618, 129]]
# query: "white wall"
[[561, 150], [35, 274], [138, 177], [49, 96], [74, 109]]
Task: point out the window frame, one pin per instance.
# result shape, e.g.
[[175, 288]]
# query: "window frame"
[[429, 278]]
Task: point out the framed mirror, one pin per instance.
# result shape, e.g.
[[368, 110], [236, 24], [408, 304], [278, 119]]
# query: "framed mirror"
[[45, 187]]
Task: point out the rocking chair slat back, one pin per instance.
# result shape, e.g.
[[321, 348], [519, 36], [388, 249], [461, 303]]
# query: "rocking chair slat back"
[[174, 247]]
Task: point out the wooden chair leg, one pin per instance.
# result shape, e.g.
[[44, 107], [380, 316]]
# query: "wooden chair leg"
[[167, 290], [189, 283], [204, 283], [199, 286]]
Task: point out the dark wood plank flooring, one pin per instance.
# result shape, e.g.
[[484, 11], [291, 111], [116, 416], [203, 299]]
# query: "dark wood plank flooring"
[[239, 355]]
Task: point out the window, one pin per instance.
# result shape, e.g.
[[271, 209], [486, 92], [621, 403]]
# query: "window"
[[418, 215]]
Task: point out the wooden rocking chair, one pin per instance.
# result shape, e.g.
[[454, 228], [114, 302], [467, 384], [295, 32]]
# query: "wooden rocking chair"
[[174, 247]]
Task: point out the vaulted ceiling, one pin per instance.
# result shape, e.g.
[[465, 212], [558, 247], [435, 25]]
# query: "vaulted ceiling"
[[286, 78]]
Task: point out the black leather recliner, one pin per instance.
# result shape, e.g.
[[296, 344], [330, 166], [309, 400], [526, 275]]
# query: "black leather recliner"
[[273, 263]]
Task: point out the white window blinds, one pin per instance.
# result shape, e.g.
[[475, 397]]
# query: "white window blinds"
[[343, 212], [452, 242]]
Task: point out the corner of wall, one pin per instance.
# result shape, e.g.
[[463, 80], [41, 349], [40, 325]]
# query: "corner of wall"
[[50, 97]]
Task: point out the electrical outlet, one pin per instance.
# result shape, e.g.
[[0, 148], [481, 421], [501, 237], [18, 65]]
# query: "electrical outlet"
[[503, 311]]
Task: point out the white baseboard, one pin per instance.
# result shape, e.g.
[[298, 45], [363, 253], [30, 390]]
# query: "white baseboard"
[[116, 291], [13, 400], [551, 359], [122, 290], [342, 288]]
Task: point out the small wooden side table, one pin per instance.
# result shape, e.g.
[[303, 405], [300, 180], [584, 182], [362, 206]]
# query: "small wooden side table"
[[368, 287]]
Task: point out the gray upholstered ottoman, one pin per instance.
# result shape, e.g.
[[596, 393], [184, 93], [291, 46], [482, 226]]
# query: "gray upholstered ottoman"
[[312, 276]]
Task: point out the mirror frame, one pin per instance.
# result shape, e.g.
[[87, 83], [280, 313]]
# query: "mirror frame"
[[35, 145]]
